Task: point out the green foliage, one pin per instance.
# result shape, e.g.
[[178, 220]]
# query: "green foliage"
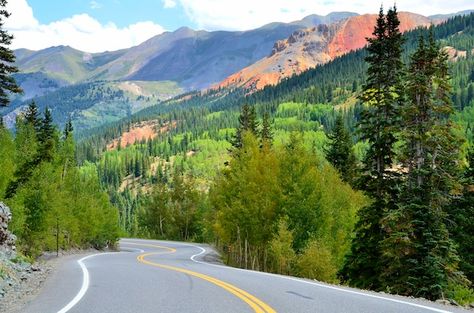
[[49, 194], [7, 159], [245, 198], [316, 262], [460, 293], [340, 153], [460, 221], [171, 211], [282, 254], [247, 123], [281, 198]]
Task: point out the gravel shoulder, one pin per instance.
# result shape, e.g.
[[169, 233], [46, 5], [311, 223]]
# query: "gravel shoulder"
[[24, 281]]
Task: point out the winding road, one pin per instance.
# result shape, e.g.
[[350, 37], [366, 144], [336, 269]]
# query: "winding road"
[[163, 276]]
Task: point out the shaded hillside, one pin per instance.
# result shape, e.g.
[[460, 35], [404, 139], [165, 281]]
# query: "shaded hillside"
[[96, 103]]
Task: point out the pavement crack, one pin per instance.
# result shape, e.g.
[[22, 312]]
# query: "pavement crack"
[[299, 295]]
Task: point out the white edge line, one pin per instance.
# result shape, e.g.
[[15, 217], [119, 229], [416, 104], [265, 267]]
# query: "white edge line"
[[203, 250], [85, 282]]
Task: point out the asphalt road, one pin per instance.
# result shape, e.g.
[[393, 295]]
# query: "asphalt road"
[[161, 276]]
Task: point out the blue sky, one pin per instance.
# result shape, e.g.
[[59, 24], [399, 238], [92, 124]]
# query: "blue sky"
[[100, 25], [120, 12]]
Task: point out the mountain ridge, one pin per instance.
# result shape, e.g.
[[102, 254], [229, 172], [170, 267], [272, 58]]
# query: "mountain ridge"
[[195, 59], [308, 48]]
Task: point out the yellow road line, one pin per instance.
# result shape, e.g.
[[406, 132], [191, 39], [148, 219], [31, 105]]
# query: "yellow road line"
[[171, 250], [256, 304]]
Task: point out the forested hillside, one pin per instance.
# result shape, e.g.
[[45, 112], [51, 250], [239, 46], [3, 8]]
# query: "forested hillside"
[[90, 104]]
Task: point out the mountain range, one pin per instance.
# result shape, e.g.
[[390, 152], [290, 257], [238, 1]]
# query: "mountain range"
[[186, 60]]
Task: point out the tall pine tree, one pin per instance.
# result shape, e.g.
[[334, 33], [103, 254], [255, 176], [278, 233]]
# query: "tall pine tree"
[[247, 122], [423, 255], [266, 135], [339, 152], [47, 137], [32, 116], [379, 124]]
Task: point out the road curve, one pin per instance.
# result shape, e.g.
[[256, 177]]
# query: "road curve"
[[163, 276]]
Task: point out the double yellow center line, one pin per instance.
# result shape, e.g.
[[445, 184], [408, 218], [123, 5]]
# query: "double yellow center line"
[[256, 304]]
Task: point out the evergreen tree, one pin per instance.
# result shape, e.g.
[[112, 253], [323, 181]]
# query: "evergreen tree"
[[68, 128], [266, 135], [46, 130], [247, 122], [32, 115], [46, 136], [461, 225], [340, 153], [420, 248], [379, 124], [7, 60]]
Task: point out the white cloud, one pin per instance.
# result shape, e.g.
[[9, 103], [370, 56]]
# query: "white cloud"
[[95, 5], [169, 4], [247, 14], [80, 31], [83, 32]]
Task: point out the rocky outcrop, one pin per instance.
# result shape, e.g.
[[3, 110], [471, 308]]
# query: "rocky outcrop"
[[7, 239], [310, 47], [454, 54], [279, 46]]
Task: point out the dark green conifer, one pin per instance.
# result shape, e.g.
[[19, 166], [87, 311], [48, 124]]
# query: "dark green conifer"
[[461, 221], [339, 152], [68, 128], [247, 122], [423, 256], [379, 124], [7, 59], [46, 136], [266, 135]]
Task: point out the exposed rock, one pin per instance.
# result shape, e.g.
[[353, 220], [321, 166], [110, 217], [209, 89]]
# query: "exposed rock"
[[279, 46], [7, 239], [454, 54]]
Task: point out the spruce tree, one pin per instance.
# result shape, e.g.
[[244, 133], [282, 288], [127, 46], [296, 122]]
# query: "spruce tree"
[[340, 153], [46, 136], [7, 59], [266, 135], [32, 116], [382, 94], [68, 128], [461, 225], [247, 122], [423, 254]]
